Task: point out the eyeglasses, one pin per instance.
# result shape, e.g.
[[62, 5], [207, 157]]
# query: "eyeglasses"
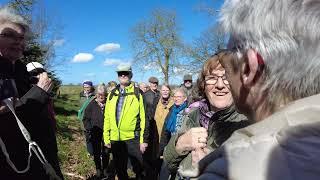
[[123, 73], [213, 79], [13, 36]]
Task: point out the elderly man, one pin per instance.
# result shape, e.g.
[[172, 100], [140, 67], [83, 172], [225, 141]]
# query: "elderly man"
[[30, 104], [188, 86], [151, 99], [273, 69], [143, 87], [124, 124]]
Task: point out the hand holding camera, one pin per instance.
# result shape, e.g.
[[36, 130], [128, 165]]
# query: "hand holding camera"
[[44, 82]]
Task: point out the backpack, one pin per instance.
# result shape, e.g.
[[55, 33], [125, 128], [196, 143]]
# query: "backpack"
[[136, 93], [83, 108]]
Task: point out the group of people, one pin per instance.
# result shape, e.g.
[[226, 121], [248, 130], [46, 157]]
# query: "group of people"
[[252, 114]]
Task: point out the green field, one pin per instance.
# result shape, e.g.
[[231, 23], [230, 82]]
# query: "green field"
[[75, 162]]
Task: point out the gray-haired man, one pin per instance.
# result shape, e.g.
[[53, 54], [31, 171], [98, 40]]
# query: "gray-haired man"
[[273, 69]]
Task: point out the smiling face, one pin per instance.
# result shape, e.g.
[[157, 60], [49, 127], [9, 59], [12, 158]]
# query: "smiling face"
[[179, 97], [217, 90], [12, 41], [165, 92]]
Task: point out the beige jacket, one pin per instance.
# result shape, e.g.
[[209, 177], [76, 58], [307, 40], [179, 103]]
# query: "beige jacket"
[[161, 114], [284, 146]]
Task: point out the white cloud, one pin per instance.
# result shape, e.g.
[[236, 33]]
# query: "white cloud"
[[82, 57], [111, 61], [58, 42], [107, 48]]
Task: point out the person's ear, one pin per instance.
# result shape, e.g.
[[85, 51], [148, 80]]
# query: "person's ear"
[[249, 69]]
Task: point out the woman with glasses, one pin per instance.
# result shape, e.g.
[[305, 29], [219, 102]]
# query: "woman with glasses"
[[172, 124], [209, 123]]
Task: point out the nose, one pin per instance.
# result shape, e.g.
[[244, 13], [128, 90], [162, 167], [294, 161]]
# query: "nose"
[[220, 84]]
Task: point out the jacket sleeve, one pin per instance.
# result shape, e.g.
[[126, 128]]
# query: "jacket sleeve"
[[35, 96], [170, 155], [165, 137], [106, 123], [143, 124], [147, 120], [87, 117]]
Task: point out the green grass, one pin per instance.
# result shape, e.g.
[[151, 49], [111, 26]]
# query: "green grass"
[[71, 143]]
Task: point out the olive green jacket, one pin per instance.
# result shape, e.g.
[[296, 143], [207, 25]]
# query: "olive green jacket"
[[222, 124]]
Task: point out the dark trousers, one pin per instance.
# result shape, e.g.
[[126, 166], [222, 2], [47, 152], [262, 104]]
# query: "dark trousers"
[[121, 151], [100, 152], [87, 135]]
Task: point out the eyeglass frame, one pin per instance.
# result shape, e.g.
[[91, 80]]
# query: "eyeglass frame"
[[216, 78]]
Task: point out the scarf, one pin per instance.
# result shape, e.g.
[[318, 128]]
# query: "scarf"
[[205, 113], [100, 104], [172, 120], [165, 101]]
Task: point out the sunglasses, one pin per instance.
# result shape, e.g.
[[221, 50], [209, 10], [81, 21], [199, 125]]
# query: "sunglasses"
[[123, 73]]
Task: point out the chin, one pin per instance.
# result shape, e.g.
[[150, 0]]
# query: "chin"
[[221, 104]]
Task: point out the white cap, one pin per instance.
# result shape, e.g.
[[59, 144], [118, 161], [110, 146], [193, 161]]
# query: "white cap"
[[34, 65]]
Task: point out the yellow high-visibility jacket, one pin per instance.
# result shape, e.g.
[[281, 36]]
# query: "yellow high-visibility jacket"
[[132, 119]]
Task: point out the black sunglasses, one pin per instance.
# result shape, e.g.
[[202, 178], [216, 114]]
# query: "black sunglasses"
[[123, 73]]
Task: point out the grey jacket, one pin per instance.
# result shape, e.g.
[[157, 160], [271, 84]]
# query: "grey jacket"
[[286, 145], [222, 125]]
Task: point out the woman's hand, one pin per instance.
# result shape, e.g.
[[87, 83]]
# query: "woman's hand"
[[194, 138]]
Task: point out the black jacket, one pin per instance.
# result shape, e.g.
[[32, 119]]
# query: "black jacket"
[[33, 113], [93, 116], [151, 100]]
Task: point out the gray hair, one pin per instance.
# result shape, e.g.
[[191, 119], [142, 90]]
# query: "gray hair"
[[8, 14], [286, 34], [101, 89], [182, 90]]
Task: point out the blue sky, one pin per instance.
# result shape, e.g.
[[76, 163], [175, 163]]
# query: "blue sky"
[[88, 24]]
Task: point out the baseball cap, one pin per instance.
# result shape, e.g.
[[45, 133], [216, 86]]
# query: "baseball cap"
[[124, 68], [187, 77], [153, 80]]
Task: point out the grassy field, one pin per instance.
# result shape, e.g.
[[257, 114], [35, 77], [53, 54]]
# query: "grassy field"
[[75, 162]]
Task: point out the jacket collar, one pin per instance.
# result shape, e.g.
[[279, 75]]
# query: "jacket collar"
[[301, 112], [229, 114]]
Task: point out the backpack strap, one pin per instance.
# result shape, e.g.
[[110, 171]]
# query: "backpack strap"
[[136, 93]]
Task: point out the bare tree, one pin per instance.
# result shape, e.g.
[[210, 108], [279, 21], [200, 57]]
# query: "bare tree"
[[156, 41], [210, 41]]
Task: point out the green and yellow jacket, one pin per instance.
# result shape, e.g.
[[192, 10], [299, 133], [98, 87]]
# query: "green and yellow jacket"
[[132, 119]]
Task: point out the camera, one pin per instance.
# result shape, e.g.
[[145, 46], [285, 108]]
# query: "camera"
[[8, 89]]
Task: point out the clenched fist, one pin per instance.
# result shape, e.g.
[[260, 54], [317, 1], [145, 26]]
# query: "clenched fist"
[[193, 139]]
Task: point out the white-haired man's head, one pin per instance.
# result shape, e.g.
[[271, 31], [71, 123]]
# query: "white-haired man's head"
[[275, 51]]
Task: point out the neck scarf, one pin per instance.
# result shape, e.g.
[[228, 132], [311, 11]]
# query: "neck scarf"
[[172, 120], [100, 104], [205, 113]]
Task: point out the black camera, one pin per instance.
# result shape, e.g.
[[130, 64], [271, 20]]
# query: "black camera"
[[8, 89], [34, 73]]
